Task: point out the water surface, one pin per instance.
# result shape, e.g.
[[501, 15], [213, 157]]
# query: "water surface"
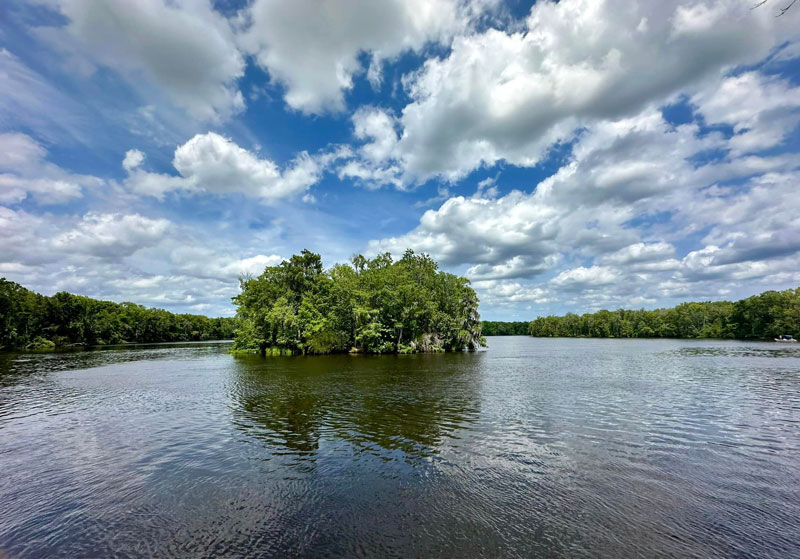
[[535, 448]]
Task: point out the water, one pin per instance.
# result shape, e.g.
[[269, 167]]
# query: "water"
[[535, 448]]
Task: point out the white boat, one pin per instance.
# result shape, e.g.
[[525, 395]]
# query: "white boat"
[[786, 338]]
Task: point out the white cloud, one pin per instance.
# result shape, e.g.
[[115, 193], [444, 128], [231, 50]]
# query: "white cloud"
[[19, 151], [510, 95], [24, 171], [125, 257], [759, 224], [253, 266], [377, 126], [204, 262], [216, 165], [46, 191], [515, 267], [19, 233], [762, 110], [112, 235], [33, 240], [658, 254], [374, 165], [581, 278], [617, 170], [133, 159], [313, 48], [639, 210], [370, 176], [182, 46], [602, 230], [510, 293]]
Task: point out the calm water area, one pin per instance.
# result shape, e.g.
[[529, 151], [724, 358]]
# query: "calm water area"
[[533, 448]]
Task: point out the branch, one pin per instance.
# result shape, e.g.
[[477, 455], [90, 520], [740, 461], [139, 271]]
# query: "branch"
[[781, 11], [786, 9]]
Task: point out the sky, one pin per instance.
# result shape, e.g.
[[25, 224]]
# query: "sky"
[[565, 157]]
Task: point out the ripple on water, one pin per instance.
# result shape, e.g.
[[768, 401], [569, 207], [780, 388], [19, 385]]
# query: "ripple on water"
[[550, 448]]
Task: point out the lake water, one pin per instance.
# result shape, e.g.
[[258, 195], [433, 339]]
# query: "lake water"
[[534, 448]]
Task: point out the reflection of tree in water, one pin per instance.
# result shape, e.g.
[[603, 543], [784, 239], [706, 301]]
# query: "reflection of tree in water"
[[410, 404], [276, 406]]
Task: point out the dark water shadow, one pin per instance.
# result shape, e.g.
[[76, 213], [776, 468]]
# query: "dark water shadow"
[[381, 405]]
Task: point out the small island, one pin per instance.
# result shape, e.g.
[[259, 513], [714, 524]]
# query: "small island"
[[376, 305]]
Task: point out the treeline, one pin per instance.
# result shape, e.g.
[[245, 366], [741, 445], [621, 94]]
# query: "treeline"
[[500, 328], [764, 316], [372, 306], [34, 321]]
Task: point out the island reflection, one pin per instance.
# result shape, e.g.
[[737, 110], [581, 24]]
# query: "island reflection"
[[395, 408]]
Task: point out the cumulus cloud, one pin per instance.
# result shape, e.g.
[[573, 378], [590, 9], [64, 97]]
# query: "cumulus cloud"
[[30, 240], [510, 95], [19, 231], [214, 164], [656, 256], [515, 267], [112, 235], [374, 165], [643, 208], [133, 158], [640, 253], [762, 110], [125, 257], [758, 224], [313, 49], [617, 169], [601, 231], [20, 151], [581, 278], [505, 293], [24, 171], [184, 47], [204, 262]]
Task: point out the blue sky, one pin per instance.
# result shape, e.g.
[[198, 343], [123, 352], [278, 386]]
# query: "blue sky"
[[564, 156]]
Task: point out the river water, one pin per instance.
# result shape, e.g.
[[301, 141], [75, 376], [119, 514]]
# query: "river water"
[[534, 448]]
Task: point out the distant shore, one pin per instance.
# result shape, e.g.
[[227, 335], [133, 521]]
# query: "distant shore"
[[761, 317]]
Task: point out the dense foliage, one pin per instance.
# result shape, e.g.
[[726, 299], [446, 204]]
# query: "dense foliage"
[[28, 319], [499, 328], [764, 316], [371, 306]]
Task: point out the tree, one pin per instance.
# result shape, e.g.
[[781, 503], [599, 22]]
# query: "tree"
[[376, 305], [30, 319], [764, 316]]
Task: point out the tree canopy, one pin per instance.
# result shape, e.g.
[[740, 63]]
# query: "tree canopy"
[[28, 319], [763, 316], [376, 305]]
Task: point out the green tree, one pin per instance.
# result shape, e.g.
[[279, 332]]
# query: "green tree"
[[376, 305], [763, 316]]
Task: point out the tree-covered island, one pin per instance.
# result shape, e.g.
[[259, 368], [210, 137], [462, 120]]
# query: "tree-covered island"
[[376, 305]]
